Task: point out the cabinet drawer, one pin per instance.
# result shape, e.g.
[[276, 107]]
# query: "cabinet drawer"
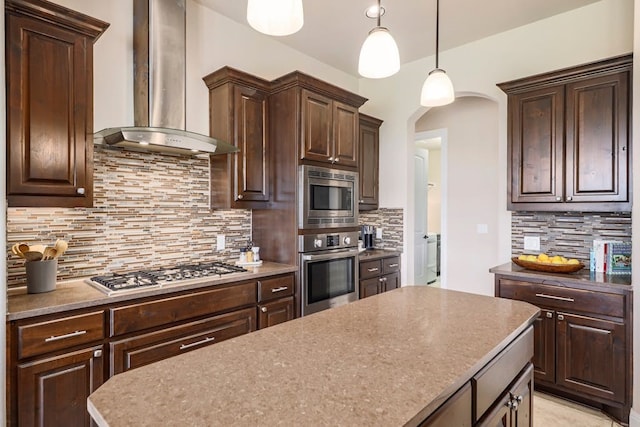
[[277, 287], [390, 265], [558, 297], [370, 269], [494, 378], [53, 335], [150, 314], [141, 350]]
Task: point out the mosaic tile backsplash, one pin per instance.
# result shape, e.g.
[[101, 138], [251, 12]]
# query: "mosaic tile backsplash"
[[391, 222], [568, 234], [150, 210]]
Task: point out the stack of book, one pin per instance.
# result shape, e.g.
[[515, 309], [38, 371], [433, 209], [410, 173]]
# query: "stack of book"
[[611, 257]]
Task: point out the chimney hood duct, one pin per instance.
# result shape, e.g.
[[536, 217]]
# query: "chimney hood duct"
[[159, 46]]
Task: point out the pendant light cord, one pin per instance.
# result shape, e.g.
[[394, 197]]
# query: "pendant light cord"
[[379, 13], [437, 29]]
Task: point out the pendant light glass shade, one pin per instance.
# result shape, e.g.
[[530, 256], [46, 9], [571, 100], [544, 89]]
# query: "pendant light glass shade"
[[379, 56], [437, 89], [275, 17]]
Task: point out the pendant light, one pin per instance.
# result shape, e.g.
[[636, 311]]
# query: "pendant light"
[[379, 56], [437, 89], [275, 17]]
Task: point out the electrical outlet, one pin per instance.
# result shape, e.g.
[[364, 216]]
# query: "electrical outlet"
[[220, 242], [378, 233], [531, 243]]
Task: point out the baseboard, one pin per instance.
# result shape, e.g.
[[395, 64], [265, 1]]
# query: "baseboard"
[[634, 418]]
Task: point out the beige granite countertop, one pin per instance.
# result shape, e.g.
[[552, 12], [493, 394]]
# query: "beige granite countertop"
[[372, 254], [77, 294], [386, 360], [582, 277]]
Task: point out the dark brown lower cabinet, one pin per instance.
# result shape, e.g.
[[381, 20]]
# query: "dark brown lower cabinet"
[[275, 312], [582, 339], [515, 406], [379, 275], [53, 391], [140, 350]]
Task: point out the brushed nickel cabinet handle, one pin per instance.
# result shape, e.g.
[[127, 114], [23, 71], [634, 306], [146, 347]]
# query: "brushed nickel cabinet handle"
[[240, 196], [97, 353], [569, 198], [193, 344], [558, 198], [264, 309], [80, 190], [549, 315], [280, 289], [560, 317], [393, 265], [371, 270], [65, 336], [555, 297]]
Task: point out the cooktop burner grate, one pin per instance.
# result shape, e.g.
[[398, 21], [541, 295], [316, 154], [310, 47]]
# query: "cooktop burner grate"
[[114, 282]]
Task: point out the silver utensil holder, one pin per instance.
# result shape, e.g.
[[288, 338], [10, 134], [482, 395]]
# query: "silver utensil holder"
[[41, 276]]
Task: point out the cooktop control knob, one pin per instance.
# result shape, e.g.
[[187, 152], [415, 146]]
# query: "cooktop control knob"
[[317, 243], [347, 240]]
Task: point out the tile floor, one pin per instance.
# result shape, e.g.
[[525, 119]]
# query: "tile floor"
[[550, 411]]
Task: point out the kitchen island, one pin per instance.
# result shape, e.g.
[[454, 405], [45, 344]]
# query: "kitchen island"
[[390, 360]]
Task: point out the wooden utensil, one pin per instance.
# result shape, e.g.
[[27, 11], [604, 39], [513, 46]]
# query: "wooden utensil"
[[60, 247], [16, 251], [36, 248], [33, 256], [22, 247], [49, 253]]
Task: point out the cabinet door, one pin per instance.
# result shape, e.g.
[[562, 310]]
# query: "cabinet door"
[[275, 312], [345, 134], [500, 415], [536, 145], [54, 391], [591, 356], [369, 287], [522, 396], [368, 164], [544, 346], [597, 139], [391, 281], [252, 166], [49, 115], [317, 127]]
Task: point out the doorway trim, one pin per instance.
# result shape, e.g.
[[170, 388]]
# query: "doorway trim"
[[441, 134]]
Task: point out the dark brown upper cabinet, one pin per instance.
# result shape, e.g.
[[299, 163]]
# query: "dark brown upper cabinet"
[[569, 139], [49, 78], [329, 130], [369, 153], [238, 115]]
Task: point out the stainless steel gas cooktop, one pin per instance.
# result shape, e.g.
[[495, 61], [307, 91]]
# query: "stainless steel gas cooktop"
[[116, 283]]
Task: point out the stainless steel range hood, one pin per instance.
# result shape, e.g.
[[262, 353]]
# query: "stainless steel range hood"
[[159, 46]]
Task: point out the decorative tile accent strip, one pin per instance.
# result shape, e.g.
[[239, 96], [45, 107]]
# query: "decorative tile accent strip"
[[150, 210], [391, 221], [568, 234]]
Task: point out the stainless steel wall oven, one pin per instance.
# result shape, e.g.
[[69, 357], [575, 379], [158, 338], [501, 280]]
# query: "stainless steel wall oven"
[[328, 270]]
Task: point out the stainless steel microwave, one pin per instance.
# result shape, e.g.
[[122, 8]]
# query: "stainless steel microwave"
[[328, 197]]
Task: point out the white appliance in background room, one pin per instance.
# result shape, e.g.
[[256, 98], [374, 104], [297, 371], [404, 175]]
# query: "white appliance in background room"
[[432, 257]]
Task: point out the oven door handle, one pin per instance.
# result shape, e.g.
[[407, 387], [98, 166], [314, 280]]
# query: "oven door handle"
[[332, 255]]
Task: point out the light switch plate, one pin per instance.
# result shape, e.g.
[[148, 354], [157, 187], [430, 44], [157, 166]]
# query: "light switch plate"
[[378, 233], [531, 243], [220, 242], [482, 228]]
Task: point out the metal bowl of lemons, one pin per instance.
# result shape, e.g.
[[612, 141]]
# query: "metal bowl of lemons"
[[548, 263]]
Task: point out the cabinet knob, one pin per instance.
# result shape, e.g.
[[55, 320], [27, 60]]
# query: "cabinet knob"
[[569, 198], [263, 309], [80, 190], [336, 159], [549, 315], [361, 201], [560, 317], [240, 196], [558, 199], [331, 159], [97, 353]]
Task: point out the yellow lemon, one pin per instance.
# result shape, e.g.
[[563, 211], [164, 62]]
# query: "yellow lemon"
[[532, 258], [573, 261], [543, 257], [522, 257]]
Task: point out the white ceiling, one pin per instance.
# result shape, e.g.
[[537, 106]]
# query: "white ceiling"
[[334, 30]]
